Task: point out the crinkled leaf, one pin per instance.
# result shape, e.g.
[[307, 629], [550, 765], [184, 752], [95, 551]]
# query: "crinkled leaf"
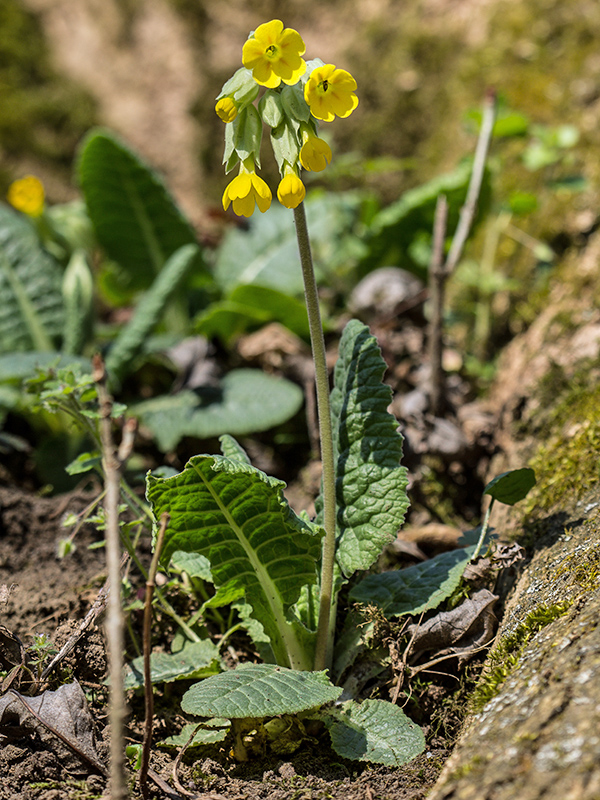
[[233, 450], [259, 690], [238, 518], [194, 564], [135, 219], [202, 736], [31, 311], [510, 487], [248, 401], [370, 483], [374, 731], [196, 660], [414, 589]]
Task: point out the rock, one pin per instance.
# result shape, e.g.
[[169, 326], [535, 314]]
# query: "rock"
[[382, 291], [538, 736]]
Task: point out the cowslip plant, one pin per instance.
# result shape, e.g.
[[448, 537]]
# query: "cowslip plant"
[[288, 569], [285, 570]]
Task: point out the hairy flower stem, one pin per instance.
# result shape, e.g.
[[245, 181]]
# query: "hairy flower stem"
[[317, 339]]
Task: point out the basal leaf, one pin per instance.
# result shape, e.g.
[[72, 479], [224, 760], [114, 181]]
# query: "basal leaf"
[[196, 660], [267, 253], [248, 401], [370, 483], [31, 311], [259, 690], [510, 487], [237, 517], [202, 736], [194, 564], [232, 449], [149, 310], [414, 589], [249, 306], [135, 219], [374, 731]]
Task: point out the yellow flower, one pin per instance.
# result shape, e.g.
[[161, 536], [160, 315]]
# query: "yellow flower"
[[226, 109], [330, 92], [274, 55], [244, 191], [315, 154], [290, 191], [27, 195]]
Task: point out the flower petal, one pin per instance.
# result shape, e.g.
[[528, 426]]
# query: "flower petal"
[[269, 32]]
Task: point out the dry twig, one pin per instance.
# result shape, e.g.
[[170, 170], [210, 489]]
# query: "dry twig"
[[438, 272], [113, 462], [148, 693]]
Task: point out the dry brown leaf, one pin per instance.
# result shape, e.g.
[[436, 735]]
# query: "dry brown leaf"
[[459, 631], [64, 714]]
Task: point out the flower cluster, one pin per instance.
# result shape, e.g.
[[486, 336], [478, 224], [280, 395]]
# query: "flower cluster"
[[298, 94]]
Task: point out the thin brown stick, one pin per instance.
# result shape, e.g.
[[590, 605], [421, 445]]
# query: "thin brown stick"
[[112, 464], [97, 608], [437, 284], [440, 272], [147, 641], [467, 212]]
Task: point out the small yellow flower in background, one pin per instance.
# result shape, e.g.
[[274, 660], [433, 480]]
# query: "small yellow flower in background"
[[274, 54], [329, 92], [226, 109], [315, 153], [290, 191], [246, 190], [27, 195]]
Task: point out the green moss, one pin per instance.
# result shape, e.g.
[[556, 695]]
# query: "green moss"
[[507, 654], [582, 571], [567, 465], [464, 769]]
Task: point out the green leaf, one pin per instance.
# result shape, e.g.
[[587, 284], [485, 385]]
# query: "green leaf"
[[370, 483], [259, 690], [16, 367], [414, 589], [31, 312], [130, 341], [135, 219], [237, 517], [196, 660], [248, 401], [194, 564], [374, 731], [202, 736], [512, 486], [397, 227], [84, 463], [267, 253], [250, 306], [233, 450]]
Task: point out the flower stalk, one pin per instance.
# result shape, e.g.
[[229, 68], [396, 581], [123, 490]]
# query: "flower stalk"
[[317, 339]]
